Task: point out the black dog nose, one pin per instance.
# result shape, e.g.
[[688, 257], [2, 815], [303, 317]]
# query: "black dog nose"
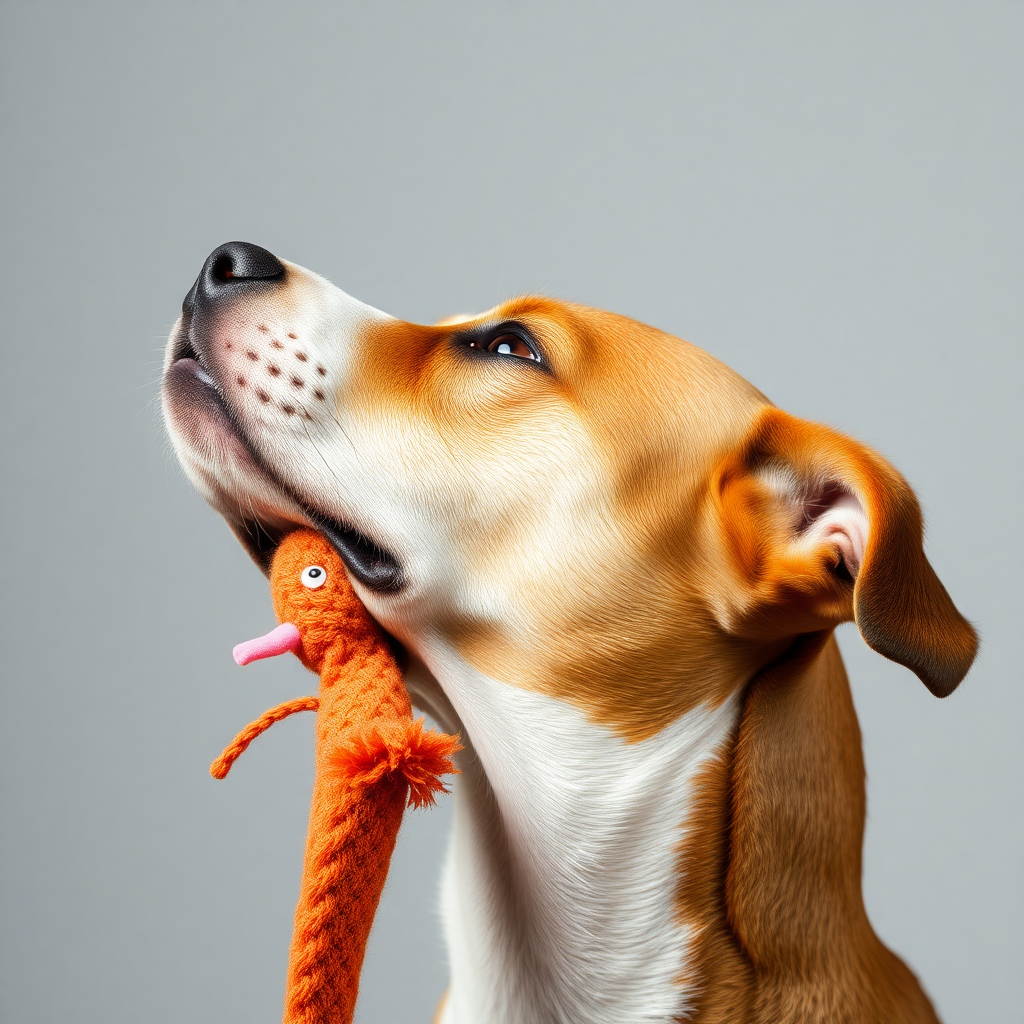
[[231, 265], [242, 261]]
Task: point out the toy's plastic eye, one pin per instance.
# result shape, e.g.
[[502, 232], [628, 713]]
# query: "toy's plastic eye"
[[313, 576]]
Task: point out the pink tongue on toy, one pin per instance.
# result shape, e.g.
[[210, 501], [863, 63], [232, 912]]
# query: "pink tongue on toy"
[[277, 641]]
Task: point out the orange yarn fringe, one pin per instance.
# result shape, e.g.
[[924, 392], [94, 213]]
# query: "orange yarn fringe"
[[400, 750]]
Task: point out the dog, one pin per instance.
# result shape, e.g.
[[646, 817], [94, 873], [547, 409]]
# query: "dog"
[[615, 568]]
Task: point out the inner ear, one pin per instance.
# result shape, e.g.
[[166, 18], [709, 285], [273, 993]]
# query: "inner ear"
[[825, 516], [832, 515]]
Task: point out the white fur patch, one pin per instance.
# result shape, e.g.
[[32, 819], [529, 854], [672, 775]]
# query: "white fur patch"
[[559, 892]]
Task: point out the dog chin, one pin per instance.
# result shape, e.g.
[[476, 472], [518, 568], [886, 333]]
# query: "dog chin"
[[218, 461]]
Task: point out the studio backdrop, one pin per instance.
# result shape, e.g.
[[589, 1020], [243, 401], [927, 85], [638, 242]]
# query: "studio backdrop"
[[828, 198]]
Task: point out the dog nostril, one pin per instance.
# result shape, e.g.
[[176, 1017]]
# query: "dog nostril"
[[223, 268], [234, 264]]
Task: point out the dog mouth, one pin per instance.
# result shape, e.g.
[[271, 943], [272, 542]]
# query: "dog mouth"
[[201, 413]]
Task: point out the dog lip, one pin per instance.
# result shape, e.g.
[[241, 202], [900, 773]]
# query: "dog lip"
[[203, 376], [371, 564], [190, 385], [181, 339]]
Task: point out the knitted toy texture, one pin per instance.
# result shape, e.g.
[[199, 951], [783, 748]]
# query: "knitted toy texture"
[[372, 759]]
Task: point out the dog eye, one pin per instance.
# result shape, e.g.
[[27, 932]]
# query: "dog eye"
[[510, 345], [313, 576], [506, 343]]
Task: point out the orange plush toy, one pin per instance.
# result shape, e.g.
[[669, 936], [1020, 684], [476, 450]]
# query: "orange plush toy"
[[372, 759]]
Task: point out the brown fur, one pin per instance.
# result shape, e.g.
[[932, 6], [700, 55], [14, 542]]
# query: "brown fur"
[[772, 871], [793, 887]]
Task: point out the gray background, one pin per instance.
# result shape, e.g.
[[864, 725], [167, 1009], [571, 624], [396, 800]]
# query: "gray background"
[[827, 197]]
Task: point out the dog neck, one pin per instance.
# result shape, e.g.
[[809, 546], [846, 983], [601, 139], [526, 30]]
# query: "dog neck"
[[567, 859], [587, 875]]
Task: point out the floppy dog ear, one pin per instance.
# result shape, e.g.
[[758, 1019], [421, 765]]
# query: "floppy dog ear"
[[820, 529]]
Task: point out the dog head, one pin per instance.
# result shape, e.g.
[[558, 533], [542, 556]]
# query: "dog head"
[[570, 501]]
